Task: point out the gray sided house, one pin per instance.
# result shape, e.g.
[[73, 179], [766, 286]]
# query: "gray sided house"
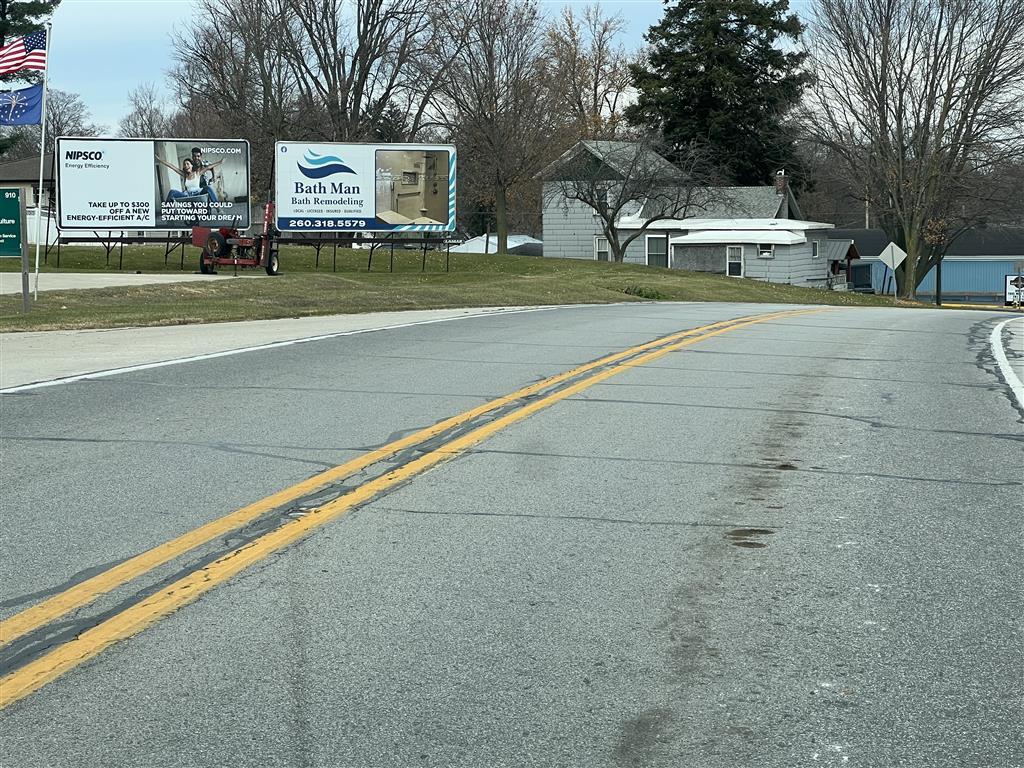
[[773, 250], [574, 228], [754, 232], [25, 174]]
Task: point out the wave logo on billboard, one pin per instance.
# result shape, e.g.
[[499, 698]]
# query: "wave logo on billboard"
[[321, 166]]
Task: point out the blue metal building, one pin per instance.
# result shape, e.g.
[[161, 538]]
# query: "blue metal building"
[[974, 268]]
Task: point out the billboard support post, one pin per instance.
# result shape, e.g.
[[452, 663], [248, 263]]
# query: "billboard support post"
[[42, 150]]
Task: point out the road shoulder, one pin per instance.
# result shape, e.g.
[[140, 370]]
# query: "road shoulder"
[[46, 357]]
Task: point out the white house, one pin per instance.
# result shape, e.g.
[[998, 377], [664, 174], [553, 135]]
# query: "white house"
[[755, 232], [774, 250]]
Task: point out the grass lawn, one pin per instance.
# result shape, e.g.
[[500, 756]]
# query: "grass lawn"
[[473, 281]]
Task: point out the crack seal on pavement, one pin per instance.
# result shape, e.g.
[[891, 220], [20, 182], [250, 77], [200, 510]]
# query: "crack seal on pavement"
[[24, 652]]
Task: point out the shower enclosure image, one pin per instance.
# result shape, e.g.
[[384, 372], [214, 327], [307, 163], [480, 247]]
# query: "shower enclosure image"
[[412, 186]]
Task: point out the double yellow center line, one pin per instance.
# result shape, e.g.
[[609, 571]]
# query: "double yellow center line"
[[135, 618]]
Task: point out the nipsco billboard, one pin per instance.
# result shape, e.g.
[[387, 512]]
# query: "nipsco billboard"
[[152, 183], [364, 187]]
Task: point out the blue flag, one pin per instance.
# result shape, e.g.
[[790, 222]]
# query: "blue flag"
[[22, 107]]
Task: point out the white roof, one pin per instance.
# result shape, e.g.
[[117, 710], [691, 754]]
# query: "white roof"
[[728, 236], [476, 244], [791, 225]]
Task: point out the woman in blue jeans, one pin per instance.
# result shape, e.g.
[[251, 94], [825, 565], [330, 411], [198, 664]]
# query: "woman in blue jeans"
[[191, 180]]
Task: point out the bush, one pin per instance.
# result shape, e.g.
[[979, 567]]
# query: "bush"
[[643, 293]]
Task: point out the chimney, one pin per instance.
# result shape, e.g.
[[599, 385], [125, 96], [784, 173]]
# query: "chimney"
[[781, 182]]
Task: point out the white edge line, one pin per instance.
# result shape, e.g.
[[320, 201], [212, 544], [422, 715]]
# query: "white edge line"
[[274, 345], [996, 341]]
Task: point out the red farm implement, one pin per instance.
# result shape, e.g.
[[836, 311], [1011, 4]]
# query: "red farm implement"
[[229, 247]]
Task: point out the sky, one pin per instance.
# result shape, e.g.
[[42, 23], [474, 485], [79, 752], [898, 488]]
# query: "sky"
[[104, 49]]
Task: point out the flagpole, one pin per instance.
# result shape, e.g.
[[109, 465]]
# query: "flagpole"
[[42, 151]]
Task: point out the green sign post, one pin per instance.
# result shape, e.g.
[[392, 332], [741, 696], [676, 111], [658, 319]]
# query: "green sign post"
[[13, 242]]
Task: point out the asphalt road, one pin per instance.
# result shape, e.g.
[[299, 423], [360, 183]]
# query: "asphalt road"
[[794, 543]]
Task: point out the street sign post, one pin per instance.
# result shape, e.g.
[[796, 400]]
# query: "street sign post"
[[13, 243], [892, 256]]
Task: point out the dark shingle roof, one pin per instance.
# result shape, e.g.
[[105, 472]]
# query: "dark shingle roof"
[[869, 242], [621, 157], [27, 169], [993, 241], [735, 203]]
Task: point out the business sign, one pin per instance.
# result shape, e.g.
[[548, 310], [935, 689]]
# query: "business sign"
[[152, 183], [10, 222], [1014, 289], [364, 187]]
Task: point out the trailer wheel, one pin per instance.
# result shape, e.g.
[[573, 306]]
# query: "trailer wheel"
[[217, 245], [273, 263], [204, 267]]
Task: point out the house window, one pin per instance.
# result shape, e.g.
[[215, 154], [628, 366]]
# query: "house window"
[[601, 250], [734, 260], [765, 251], [602, 196], [657, 250], [814, 249]]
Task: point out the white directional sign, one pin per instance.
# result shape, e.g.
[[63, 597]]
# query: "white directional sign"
[[892, 256], [1014, 289]]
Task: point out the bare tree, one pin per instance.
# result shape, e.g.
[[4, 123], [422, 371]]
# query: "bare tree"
[[498, 99], [590, 69], [233, 79], [922, 100], [354, 61], [630, 180], [318, 70], [148, 116]]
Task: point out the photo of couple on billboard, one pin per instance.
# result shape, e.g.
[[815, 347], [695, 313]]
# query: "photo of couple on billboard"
[[204, 183]]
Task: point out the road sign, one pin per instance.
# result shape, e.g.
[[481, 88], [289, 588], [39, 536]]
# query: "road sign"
[[892, 256], [10, 223], [1014, 289], [12, 234]]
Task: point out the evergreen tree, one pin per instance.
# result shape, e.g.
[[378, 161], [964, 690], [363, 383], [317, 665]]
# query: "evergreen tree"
[[716, 75], [18, 18]]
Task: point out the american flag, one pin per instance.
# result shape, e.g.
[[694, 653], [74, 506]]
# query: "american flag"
[[28, 52]]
